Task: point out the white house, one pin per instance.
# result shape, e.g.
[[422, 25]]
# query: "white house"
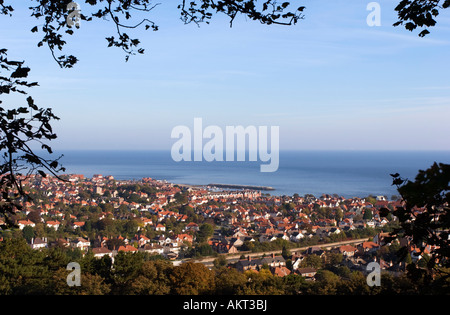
[[80, 243], [160, 228], [152, 248], [53, 224], [24, 223], [297, 262], [296, 236], [308, 273], [37, 243], [77, 225]]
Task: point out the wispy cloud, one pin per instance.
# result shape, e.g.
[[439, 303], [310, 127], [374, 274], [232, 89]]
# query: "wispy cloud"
[[433, 88]]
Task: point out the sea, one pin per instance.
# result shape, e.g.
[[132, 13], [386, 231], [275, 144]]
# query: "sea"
[[345, 173]]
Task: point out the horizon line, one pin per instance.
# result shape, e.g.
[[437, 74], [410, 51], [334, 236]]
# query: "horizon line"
[[281, 150]]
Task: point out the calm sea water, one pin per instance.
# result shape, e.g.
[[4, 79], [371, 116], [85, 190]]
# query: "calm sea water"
[[346, 173]]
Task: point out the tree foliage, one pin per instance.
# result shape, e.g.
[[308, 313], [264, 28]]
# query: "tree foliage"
[[21, 129], [125, 15], [191, 279], [424, 216], [26, 271], [419, 13]]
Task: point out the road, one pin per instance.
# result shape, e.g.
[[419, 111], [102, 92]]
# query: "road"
[[231, 258]]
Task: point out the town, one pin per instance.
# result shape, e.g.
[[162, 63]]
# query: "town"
[[242, 229]]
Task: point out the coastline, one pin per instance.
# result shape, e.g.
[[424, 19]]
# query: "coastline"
[[346, 173]]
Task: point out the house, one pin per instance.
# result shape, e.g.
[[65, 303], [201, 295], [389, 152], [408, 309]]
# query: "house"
[[347, 250], [143, 240], [77, 225], [60, 242], [140, 240], [280, 271], [127, 248], [380, 238], [101, 251], [296, 236], [125, 240], [160, 228], [235, 241], [346, 223], [267, 238], [53, 224], [174, 243], [322, 232], [315, 250], [308, 273], [147, 221], [248, 264], [24, 223], [152, 248], [223, 248], [274, 261], [368, 247], [38, 243], [297, 259], [185, 238], [335, 230], [80, 243], [192, 227], [282, 236], [163, 240]]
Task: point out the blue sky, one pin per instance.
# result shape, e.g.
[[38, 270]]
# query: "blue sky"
[[330, 82]]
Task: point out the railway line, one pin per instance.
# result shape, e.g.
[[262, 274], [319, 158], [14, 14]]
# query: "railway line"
[[231, 258]]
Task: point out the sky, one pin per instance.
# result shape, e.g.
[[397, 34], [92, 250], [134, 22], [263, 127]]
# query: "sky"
[[329, 82]]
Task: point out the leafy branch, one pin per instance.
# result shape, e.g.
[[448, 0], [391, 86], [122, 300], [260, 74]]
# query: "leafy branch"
[[419, 13], [57, 13], [270, 13], [424, 216], [20, 129]]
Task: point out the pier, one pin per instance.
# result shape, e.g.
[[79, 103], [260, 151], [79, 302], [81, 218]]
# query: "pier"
[[250, 187]]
